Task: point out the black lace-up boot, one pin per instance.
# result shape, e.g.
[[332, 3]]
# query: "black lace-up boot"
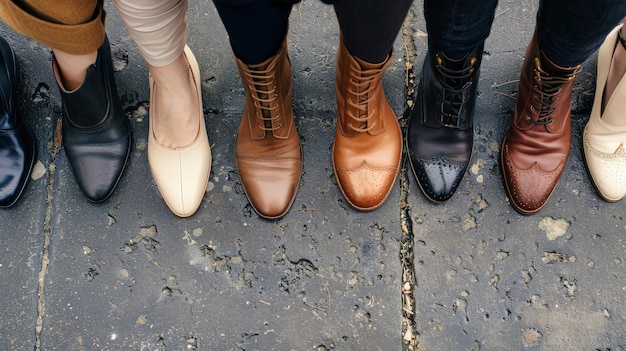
[[440, 133]]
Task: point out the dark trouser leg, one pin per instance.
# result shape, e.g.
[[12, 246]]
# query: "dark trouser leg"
[[456, 27], [369, 27], [569, 31], [256, 28]]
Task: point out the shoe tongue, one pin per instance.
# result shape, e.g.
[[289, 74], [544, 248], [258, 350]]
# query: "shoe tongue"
[[457, 72]]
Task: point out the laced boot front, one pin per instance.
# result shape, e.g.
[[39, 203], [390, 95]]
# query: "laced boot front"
[[368, 142], [440, 134], [537, 143], [267, 149]]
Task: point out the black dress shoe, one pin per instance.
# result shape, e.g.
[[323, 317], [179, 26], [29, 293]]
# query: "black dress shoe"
[[440, 133], [17, 142], [96, 133]]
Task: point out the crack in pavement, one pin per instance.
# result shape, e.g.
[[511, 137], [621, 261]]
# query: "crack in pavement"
[[409, 323], [47, 232]]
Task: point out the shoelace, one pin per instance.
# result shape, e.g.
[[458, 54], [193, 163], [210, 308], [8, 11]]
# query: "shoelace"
[[546, 88], [264, 94], [454, 94], [360, 99]]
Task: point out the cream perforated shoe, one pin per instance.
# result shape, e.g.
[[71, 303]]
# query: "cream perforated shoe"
[[605, 134]]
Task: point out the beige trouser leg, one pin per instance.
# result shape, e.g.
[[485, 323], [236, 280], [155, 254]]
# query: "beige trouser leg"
[[157, 26]]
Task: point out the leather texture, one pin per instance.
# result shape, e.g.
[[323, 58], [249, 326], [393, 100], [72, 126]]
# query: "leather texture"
[[536, 146], [267, 150], [182, 174], [17, 142], [368, 143], [97, 152], [440, 135], [605, 133]]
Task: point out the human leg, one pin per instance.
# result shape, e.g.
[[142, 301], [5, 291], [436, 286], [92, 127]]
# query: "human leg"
[[178, 148], [96, 133], [440, 132], [368, 143], [267, 149], [536, 146]]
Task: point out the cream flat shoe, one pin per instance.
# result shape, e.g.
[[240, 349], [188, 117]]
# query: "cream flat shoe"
[[182, 174], [605, 134]]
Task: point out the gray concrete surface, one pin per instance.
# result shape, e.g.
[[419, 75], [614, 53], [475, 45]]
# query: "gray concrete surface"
[[468, 275]]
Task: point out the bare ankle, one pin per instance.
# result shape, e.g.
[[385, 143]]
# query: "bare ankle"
[[73, 68]]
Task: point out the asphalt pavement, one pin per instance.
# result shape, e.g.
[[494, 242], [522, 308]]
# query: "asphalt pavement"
[[471, 274]]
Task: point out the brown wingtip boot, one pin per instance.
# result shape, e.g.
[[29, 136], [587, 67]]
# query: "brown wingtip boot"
[[368, 142], [537, 143], [267, 149]]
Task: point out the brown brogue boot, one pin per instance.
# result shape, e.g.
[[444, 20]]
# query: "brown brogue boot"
[[368, 141], [536, 146], [267, 149]]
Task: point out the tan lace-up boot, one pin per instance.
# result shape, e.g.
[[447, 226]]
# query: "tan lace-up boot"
[[267, 149], [368, 141]]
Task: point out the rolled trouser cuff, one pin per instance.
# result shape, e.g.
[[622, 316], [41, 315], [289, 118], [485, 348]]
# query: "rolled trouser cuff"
[[62, 33]]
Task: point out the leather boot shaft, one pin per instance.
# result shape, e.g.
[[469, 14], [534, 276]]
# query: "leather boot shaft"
[[360, 96], [536, 146], [96, 132], [91, 104], [267, 149], [268, 96], [368, 141]]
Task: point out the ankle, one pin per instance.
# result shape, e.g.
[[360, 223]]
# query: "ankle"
[[73, 68]]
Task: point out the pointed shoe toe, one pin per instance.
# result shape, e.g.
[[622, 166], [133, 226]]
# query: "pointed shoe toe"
[[438, 177], [366, 187], [604, 138], [529, 189], [270, 185], [607, 170], [182, 174]]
